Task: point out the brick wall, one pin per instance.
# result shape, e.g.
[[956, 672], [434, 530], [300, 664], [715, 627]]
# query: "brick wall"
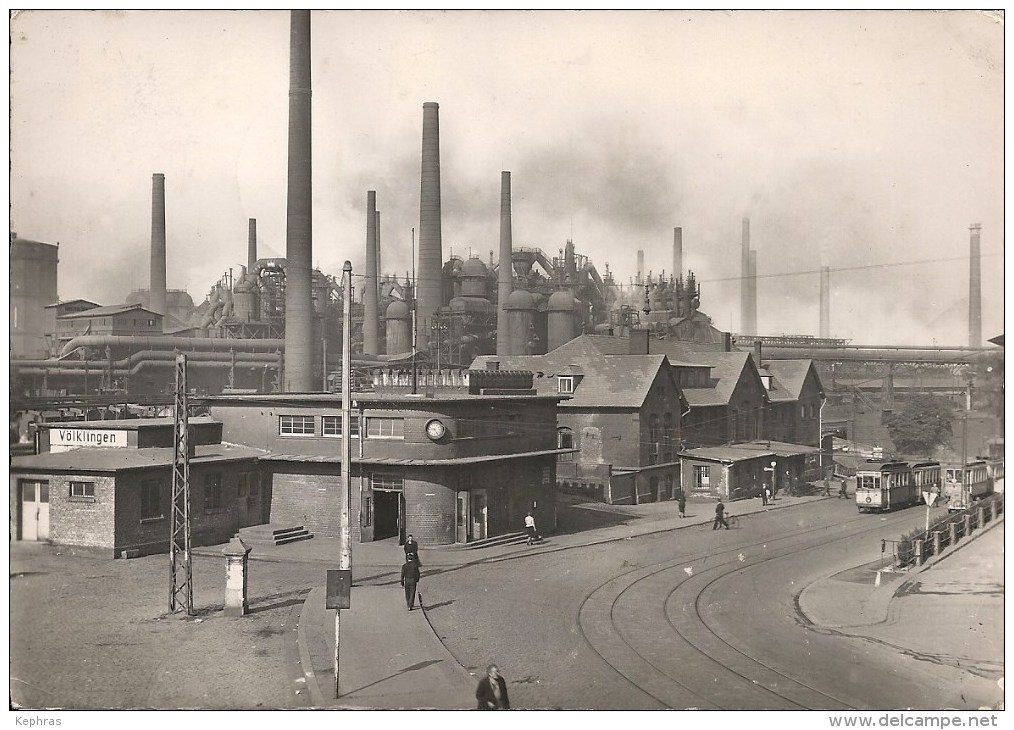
[[304, 494], [430, 507]]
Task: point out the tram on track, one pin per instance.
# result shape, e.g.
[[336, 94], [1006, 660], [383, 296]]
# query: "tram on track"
[[964, 486], [894, 484]]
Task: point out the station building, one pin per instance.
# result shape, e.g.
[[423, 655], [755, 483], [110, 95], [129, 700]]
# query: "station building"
[[449, 465], [108, 485]]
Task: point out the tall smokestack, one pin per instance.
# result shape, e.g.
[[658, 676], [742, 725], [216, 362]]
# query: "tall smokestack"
[[379, 270], [744, 282], [752, 301], [640, 267], [430, 248], [299, 314], [371, 314], [975, 290], [825, 302], [251, 246], [677, 253], [156, 287], [504, 275]]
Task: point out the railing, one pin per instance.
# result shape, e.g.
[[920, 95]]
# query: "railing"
[[916, 548]]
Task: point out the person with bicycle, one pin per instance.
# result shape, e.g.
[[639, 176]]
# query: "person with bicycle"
[[720, 516]]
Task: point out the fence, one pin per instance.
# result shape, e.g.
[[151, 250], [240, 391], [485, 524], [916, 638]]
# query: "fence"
[[917, 547]]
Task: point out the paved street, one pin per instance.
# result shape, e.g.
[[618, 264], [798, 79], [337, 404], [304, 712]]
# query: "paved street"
[[570, 622]]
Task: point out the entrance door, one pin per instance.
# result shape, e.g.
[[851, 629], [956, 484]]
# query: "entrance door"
[[385, 513], [478, 515], [461, 519], [34, 510], [402, 528]]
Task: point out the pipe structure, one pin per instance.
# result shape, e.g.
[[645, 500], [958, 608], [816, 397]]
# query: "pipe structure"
[[371, 312], [428, 290], [504, 274], [299, 313], [169, 343], [677, 253], [251, 245], [157, 285], [975, 288], [825, 301]]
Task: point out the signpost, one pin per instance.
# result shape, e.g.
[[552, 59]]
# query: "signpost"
[[339, 591], [929, 498]]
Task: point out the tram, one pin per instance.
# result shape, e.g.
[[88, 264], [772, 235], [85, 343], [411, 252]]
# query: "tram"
[[889, 485], [963, 486]]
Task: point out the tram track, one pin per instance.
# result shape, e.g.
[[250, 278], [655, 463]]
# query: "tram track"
[[649, 662]]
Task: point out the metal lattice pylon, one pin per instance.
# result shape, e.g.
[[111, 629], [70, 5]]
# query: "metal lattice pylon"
[[181, 593]]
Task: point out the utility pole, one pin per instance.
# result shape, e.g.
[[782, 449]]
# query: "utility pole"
[[415, 289], [344, 529], [181, 592]]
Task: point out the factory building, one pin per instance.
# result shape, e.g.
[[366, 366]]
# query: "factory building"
[[451, 465], [107, 485], [32, 288]]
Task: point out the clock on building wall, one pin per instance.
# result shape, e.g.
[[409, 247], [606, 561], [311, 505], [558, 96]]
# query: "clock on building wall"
[[435, 429]]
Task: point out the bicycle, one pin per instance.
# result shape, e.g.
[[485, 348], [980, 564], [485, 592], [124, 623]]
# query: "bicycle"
[[731, 520]]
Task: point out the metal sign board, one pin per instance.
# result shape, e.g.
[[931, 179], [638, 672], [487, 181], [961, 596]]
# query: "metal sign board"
[[65, 439], [339, 589], [930, 497]]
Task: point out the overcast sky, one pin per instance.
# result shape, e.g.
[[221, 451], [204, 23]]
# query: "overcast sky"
[[850, 139]]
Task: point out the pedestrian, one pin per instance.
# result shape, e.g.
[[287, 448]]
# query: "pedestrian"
[[683, 503], [767, 491], [409, 579], [412, 549], [843, 492], [827, 487], [720, 516], [533, 536], [492, 690], [764, 494]]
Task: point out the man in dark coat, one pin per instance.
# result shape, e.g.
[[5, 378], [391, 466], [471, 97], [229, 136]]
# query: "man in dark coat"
[[720, 516], [412, 550], [843, 491], [409, 578], [492, 690], [683, 503]]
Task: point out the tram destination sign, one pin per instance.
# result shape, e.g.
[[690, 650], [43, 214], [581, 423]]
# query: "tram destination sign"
[[65, 439]]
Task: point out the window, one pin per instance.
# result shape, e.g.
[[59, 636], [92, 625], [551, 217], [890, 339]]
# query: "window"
[[566, 383], [82, 490], [802, 411], [367, 512], [151, 323], [385, 428], [331, 426], [565, 440], [386, 481], [151, 499], [702, 477], [295, 425], [212, 492]]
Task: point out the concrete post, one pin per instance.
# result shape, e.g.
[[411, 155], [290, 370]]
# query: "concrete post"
[[992, 510], [980, 515], [236, 557], [936, 542], [967, 520], [918, 552], [954, 533]]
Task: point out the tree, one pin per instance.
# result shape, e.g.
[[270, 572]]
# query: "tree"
[[922, 424]]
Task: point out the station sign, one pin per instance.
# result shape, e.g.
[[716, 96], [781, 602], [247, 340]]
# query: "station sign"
[[65, 439]]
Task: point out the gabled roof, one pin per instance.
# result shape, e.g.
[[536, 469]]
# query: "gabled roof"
[[789, 376], [108, 311], [606, 381], [72, 301], [675, 350], [727, 369]]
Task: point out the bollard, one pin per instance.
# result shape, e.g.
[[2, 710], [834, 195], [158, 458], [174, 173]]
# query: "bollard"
[[236, 558], [981, 516], [992, 510], [936, 542], [953, 527], [967, 520], [918, 552]]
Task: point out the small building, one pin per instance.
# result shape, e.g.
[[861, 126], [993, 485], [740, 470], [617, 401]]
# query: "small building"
[[446, 466], [108, 485], [115, 319], [741, 471]]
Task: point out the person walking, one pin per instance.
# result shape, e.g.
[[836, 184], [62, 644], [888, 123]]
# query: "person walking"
[[720, 516], [827, 487], [533, 536], [412, 550], [683, 503], [409, 579], [492, 690], [843, 491], [764, 494]]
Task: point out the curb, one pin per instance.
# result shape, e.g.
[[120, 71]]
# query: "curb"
[[316, 696], [883, 604]]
